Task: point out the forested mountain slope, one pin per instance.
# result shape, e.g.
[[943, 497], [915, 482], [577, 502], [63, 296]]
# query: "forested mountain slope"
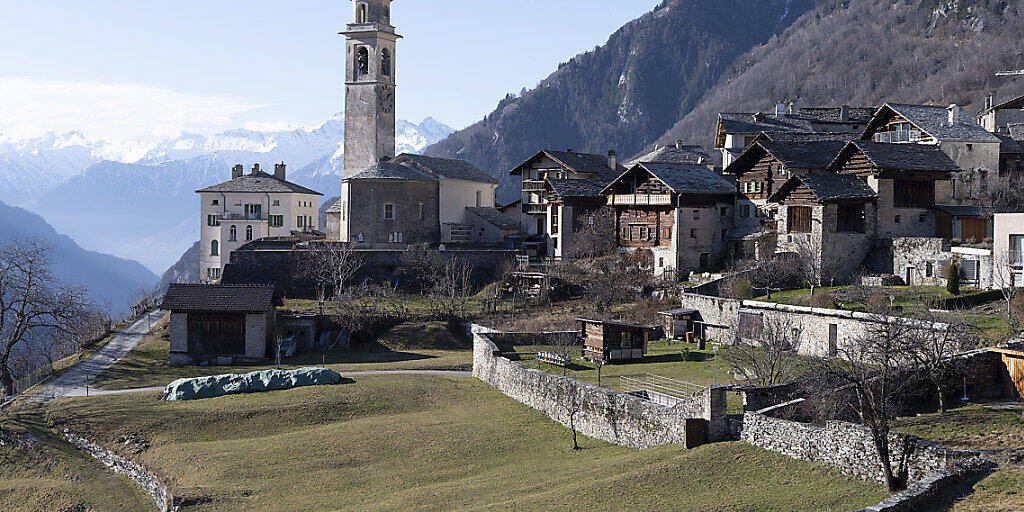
[[866, 52], [625, 94]]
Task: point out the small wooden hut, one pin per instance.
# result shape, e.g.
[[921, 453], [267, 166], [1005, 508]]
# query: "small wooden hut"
[[679, 322], [607, 341], [1013, 378]]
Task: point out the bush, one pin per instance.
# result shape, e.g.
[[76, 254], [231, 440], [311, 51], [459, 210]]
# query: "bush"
[[741, 289], [822, 299], [877, 303], [953, 278]]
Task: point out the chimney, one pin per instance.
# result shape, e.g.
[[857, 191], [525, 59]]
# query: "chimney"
[[780, 110], [844, 113], [237, 171], [789, 107], [279, 171], [954, 114], [256, 169], [679, 144], [613, 162], [990, 101]]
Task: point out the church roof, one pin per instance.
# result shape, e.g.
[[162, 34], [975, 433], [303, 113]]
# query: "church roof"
[[259, 183], [445, 167], [390, 171]]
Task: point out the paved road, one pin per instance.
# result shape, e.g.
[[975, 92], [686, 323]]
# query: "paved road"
[[72, 382]]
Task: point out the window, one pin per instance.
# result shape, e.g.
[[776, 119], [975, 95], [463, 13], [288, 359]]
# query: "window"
[[389, 211], [248, 233], [360, 238], [213, 273], [215, 202], [970, 147], [479, 199], [624, 233], [725, 211], [234, 234], [913, 193], [923, 218], [896, 219], [696, 215], [300, 221], [214, 248], [850, 218], [624, 340], [276, 221], [385, 62], [421, 213], [693, 234], [970, 271], [799, 219], [212, 221], [833, 340], [277, 202], [344, 211], [661, 262], [745, 211], [361, 14], [362, 61], [929, 269]]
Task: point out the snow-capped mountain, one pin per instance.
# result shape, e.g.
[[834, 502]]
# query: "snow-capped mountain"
[[122, 196]]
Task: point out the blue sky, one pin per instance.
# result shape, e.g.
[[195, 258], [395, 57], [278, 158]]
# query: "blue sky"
[[123, 68]]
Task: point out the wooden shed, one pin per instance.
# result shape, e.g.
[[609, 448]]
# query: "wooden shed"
[[679, 322], [607, 341], [1013, 379]]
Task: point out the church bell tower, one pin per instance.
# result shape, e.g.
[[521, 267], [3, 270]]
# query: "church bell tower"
[[369, 85]]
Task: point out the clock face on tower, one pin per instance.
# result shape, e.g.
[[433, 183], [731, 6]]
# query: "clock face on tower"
[[386, 99]]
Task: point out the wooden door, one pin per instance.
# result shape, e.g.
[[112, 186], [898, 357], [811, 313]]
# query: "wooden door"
[[973, 229], [943, 225], [1015, 367]]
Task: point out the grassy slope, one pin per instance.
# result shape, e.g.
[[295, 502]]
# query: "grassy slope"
[[147, 365], [432, 443], [51, 475]]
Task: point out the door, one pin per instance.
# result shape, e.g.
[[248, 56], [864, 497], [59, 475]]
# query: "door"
[[833, 340], [973, 229], [705, 262], [910, 275]]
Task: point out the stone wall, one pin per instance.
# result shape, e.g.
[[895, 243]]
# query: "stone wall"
[[134, 471], [603, 414], [849, 448]]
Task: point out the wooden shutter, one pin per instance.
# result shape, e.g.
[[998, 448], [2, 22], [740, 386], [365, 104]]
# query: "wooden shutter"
[[799, 219]]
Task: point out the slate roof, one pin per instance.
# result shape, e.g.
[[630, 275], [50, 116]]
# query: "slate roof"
[[803, 137], [220, 298], [827, 187], [390, 171], [335, 208], [1016, 131], [495, 217], [1015, 103], [804, 155], [1007, 144], [744, 122], [854, 115], [578, 162], [903, 157], [577, 188], [446, 167], [259, 183], [675, 155], [689, 178], [934, 120]]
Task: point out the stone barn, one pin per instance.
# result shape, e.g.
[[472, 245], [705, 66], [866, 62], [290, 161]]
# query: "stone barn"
[[221, 324]]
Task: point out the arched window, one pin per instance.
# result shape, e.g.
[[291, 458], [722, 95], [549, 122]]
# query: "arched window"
[[234, 234], [248, 233], [361, 14], [214, 248], [362, 61], [385, 62]]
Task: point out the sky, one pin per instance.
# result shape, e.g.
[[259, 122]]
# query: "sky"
[[125, 69]]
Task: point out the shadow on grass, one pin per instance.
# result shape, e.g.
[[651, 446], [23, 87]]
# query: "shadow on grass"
[[956, 491]]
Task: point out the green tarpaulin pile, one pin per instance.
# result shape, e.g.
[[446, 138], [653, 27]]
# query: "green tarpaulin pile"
[[255, 382]]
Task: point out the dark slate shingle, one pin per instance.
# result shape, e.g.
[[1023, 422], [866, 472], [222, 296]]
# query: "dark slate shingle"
[[934, 120], [689, 178], [906, 157], [804, 155], [674, 155], [220, 298], [259, 183], [390, 171], [577, 188], [828, 186], [446, 167]]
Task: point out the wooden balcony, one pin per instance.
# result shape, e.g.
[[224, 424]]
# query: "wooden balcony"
[[535, 209], [533, 185], [640, 200]]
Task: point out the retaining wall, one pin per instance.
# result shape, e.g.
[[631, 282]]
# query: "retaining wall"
[[136, 472], [849, 448], [603, 414]]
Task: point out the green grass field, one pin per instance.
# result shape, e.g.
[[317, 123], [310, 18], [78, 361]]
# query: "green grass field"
[[976, 426], [432, 443], [49, 475], [402, 348]]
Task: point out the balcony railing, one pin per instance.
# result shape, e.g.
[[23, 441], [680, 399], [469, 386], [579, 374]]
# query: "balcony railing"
[[535, 209], [533, 185], [641, 200], [241, 216]]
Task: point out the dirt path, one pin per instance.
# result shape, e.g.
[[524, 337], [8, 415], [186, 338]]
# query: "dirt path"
[[72, 382]]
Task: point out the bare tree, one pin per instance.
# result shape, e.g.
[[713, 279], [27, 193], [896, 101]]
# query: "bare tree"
[[867, 379], [770, 356], [1002, 279], [772, 273], [931, 340], [809, 262], [330, 268], [595, 236], [34, 306]]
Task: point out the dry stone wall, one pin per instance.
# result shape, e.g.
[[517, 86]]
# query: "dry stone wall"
[[849, 448], [136, 472], [603, 414]]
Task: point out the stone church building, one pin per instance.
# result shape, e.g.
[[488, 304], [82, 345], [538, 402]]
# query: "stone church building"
[[391, 201]]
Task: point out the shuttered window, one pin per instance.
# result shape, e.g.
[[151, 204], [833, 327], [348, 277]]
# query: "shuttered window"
[[799, 219]]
